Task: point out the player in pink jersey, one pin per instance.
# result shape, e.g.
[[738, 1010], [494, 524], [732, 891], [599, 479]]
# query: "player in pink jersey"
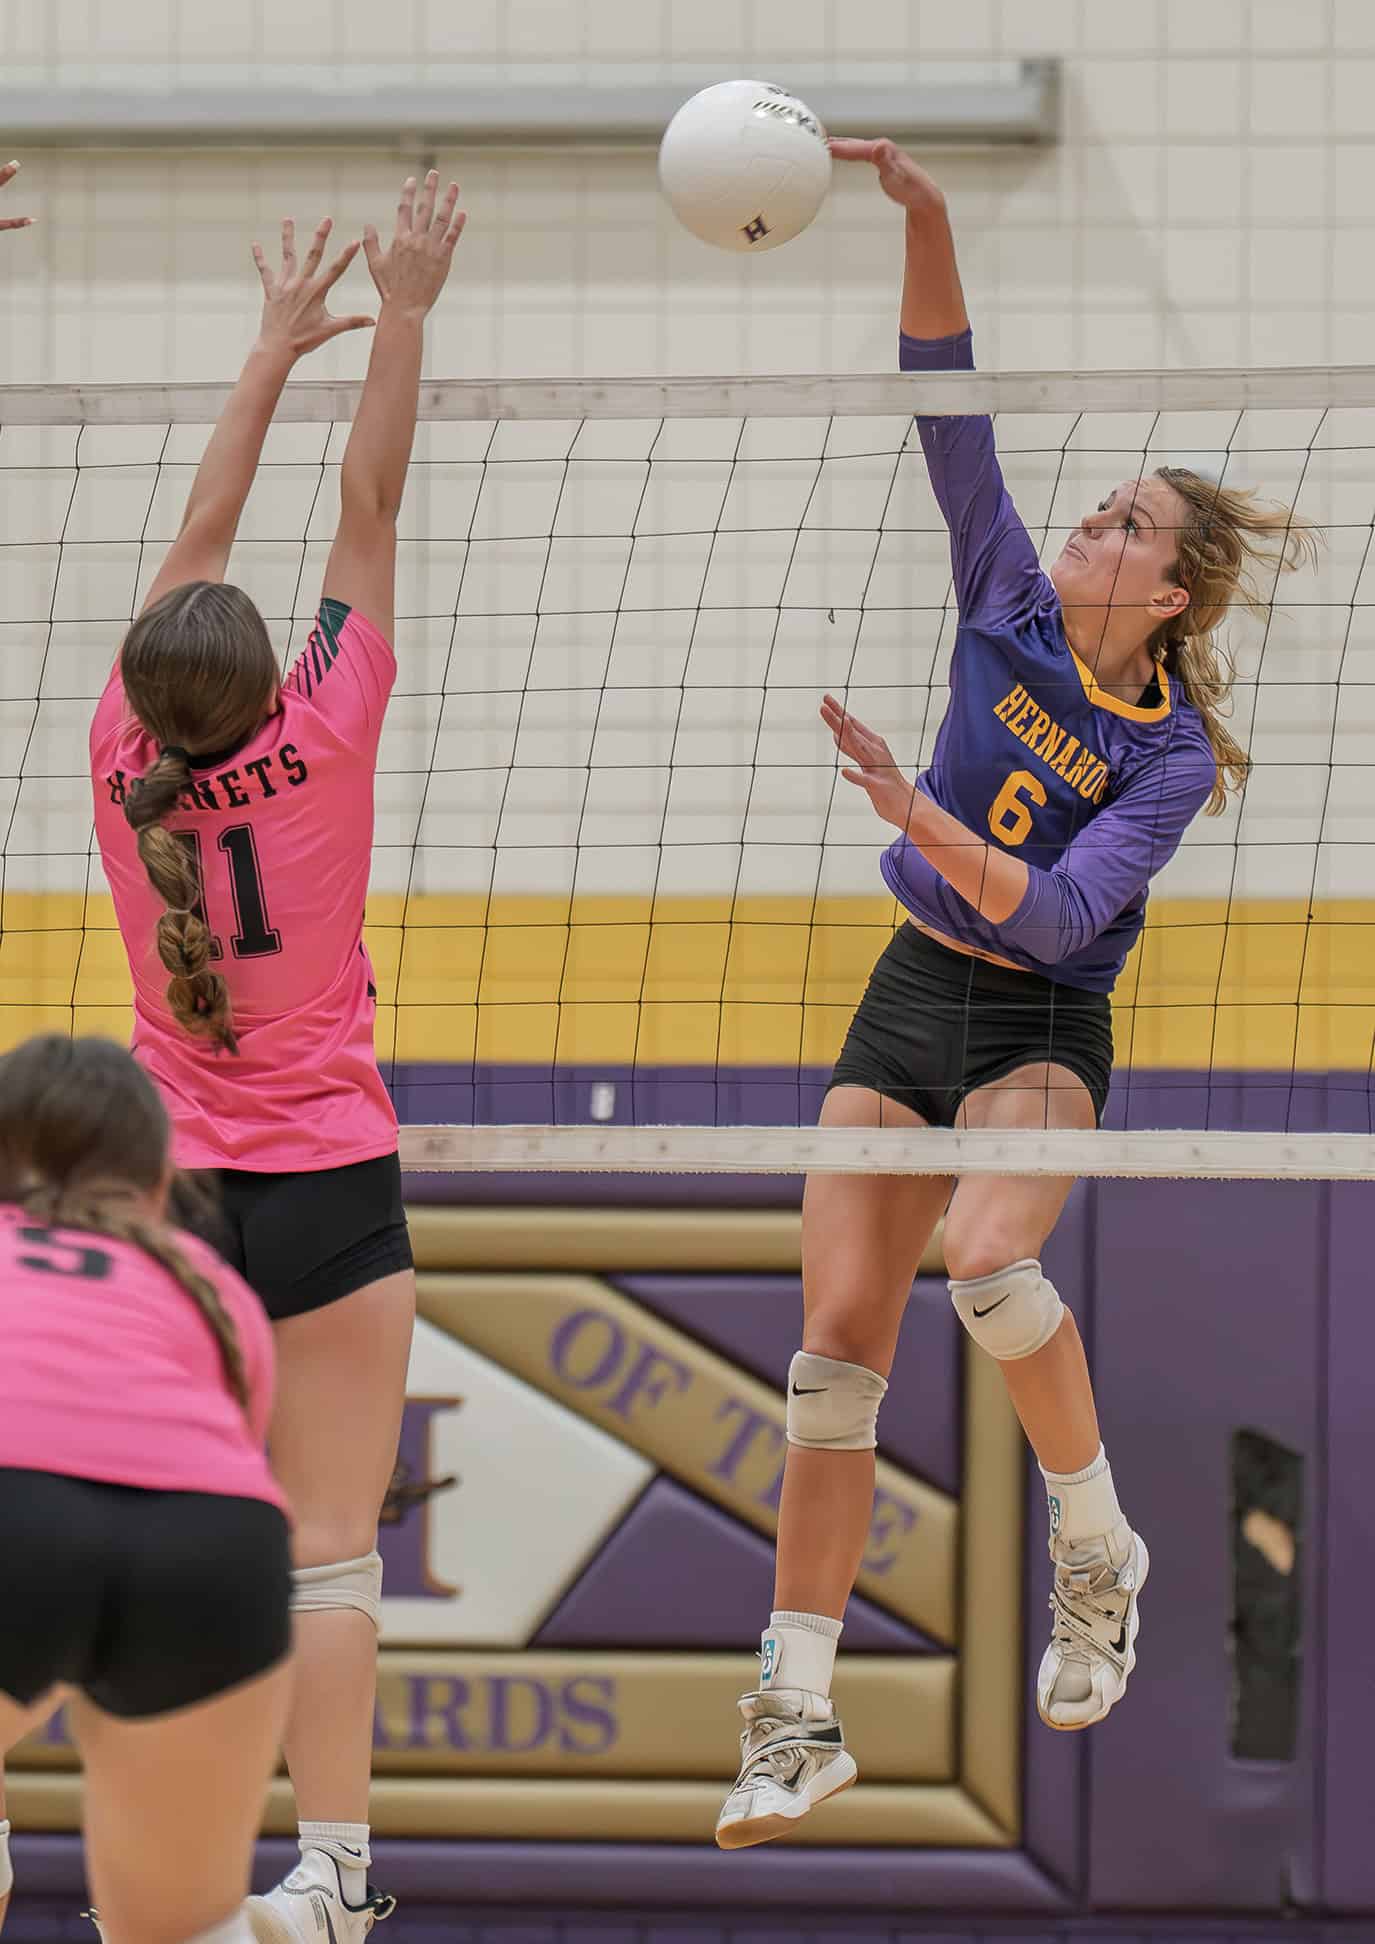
[[8, 171], [147, 1556], [234, 813]]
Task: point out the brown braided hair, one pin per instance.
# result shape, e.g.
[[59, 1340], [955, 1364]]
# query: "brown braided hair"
[[200, 675], [84, 1138], [1231, 548]]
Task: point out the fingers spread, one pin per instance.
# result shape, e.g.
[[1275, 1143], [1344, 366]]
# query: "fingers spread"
[[263, 270], [424, 214], [455, 229], [405, 209], [342, 262], [288, 244], [372, 248], [444, 215], [317, 246]]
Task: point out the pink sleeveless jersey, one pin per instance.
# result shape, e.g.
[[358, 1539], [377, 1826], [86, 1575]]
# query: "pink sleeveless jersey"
[[281, 830], [111, 1372]]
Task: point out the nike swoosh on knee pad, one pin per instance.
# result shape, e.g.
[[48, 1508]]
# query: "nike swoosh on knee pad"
[[981, 1313]]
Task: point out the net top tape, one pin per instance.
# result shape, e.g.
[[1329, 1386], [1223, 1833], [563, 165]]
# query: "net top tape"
[[887, 394], [1140, 1154]]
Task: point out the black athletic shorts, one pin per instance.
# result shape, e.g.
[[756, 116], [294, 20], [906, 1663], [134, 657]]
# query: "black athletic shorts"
[[146, 1601], [302, 1240], [935, 1024]]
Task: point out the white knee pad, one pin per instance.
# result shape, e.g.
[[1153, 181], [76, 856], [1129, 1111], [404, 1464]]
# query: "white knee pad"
[[1011, 1313], [355, 1583], [833, 1406]]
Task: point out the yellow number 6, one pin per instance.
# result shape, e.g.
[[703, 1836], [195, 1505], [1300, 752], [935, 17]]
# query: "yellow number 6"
[[1009, 818]]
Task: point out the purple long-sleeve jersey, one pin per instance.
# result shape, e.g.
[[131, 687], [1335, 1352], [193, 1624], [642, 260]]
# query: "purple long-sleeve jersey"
[[1093, 794]]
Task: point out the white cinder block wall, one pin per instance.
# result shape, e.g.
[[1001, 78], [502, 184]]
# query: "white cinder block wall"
[[1209, 202]]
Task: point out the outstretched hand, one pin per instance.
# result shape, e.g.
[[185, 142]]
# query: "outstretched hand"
[[889, 790], [411, 271], [900, 178], [8, 171], [294, 315]]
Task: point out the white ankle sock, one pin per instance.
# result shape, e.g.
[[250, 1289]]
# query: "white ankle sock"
[[234, 1930], [799, 1651], [1083, 1504], [347, 1843], [6, 1873]]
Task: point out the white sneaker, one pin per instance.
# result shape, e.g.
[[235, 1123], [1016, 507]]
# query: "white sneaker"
[[793, 1756], [310, 1907], [1094, 1624]]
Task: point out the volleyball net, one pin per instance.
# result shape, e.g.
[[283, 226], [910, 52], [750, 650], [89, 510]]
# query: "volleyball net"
[[622, 903]]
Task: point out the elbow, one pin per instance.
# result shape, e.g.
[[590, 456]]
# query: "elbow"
[[368, 501], [1045, 927], [1054, 951]]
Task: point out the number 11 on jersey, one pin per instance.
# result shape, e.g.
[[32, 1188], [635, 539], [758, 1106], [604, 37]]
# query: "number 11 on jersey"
[[255, 937]]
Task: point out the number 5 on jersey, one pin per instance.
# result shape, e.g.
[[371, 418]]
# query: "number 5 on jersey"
[[255, 937], [1009, 817]]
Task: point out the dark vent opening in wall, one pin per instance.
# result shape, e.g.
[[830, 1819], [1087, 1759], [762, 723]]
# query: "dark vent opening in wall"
[[1267, 1617]]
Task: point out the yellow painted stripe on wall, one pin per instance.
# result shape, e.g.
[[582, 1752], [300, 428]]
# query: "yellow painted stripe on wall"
[[758, 981]]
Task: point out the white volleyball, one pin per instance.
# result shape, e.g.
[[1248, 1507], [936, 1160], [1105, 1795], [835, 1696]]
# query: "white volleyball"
[[745, 165]]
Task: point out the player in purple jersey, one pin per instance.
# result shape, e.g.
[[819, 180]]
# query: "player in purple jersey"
[[1084, 733]]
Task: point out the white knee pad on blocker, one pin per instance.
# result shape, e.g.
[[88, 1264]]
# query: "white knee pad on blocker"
[[355, 1583], [1012, 1313], [833, 1406]]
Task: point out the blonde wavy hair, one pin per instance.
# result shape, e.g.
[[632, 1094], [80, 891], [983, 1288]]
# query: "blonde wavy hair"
[[1231, 549]]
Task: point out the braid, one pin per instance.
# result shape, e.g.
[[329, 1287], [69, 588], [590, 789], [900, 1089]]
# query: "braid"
[[197, 996], [110, 1215]]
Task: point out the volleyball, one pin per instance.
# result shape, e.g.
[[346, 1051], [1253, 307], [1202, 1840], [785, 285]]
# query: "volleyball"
[[745, 165]]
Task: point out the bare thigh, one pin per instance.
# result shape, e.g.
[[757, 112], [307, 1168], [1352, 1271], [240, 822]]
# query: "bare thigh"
[[19, 1719], [994, 1220], [173, 1806], [341, 1389], [863, 1238]]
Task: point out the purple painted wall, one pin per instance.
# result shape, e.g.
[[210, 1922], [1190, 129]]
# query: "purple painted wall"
[[1344, 1672], [1208, 1313], [1206, 1308]]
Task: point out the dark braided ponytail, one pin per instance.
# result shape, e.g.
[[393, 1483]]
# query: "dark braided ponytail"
[[198, 997], [200, 675]]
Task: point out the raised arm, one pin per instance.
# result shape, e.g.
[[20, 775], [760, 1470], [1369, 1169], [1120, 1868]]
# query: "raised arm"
[[995, 568], [8, 171], [932, 298], [294, 322], [409, 274]]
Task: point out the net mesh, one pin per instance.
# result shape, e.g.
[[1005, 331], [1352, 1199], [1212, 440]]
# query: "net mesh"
[[618, 882]]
